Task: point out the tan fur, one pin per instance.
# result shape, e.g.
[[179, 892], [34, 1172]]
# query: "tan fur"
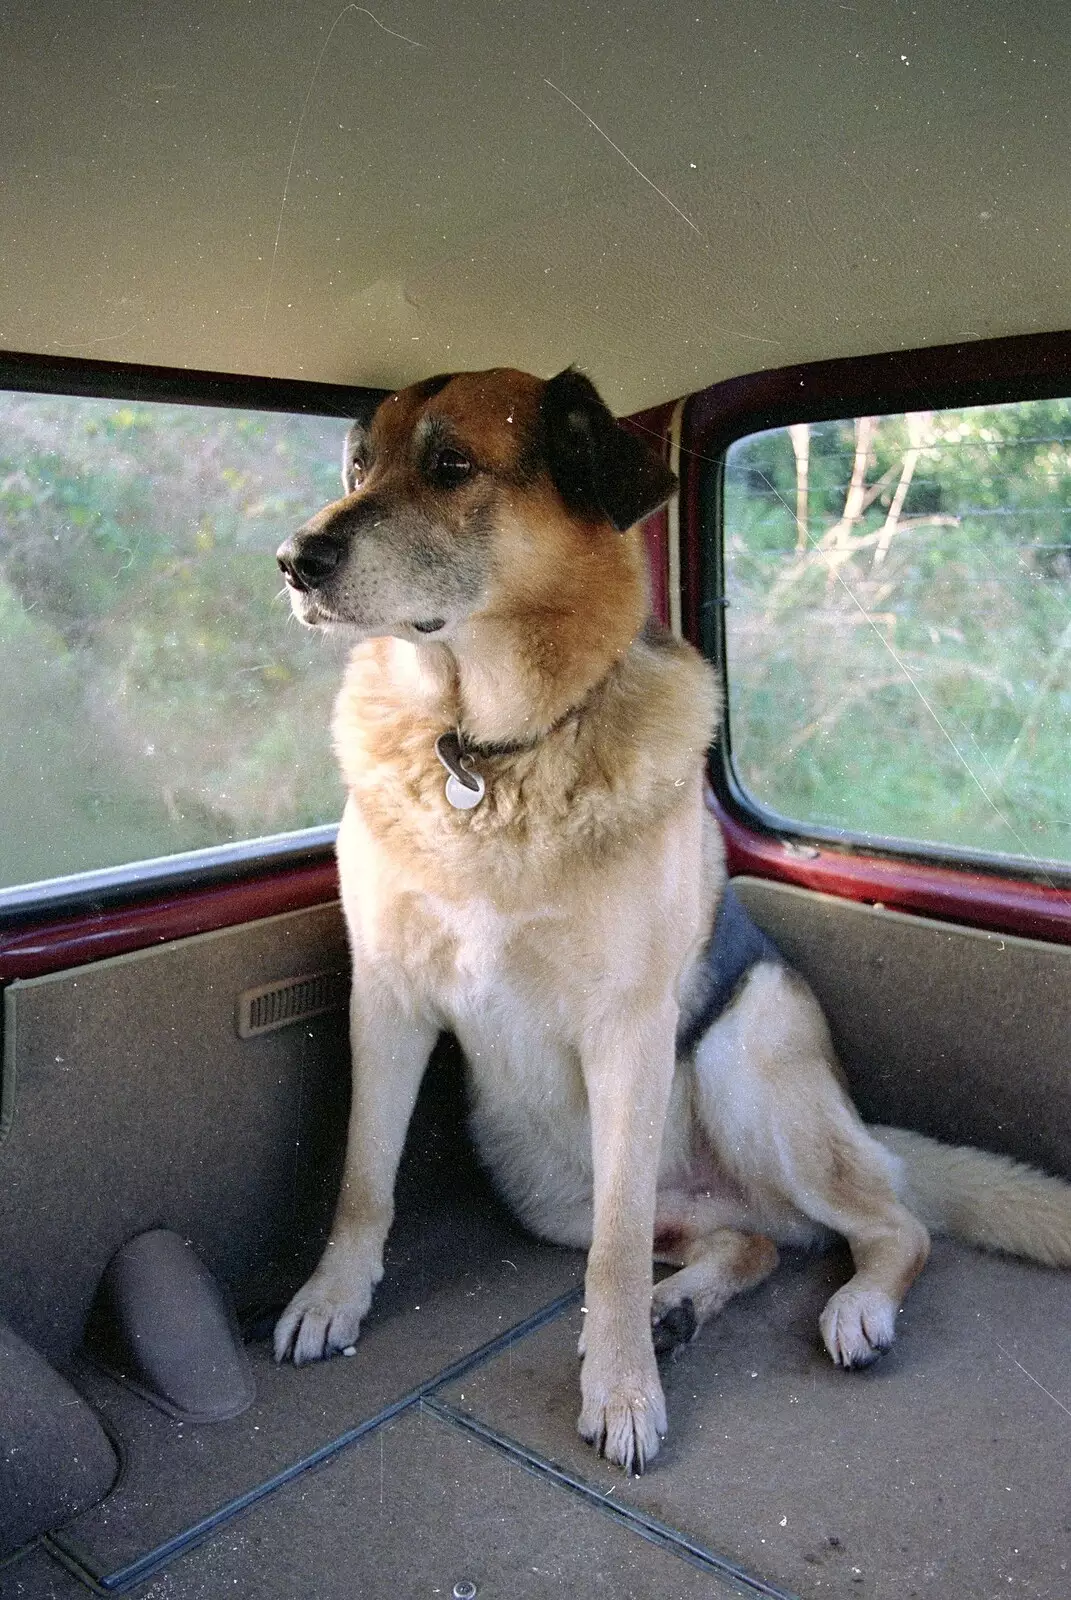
[[554, 928]]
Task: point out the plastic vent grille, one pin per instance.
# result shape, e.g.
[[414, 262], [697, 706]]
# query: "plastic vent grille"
[[277, 1005]]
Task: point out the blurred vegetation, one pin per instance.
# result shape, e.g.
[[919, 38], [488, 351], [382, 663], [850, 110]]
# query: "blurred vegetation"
[[899, 628], [899, 625], [158, 695]]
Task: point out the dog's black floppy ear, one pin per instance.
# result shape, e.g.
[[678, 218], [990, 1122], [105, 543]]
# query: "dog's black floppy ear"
[[367, 406], [596, 465]]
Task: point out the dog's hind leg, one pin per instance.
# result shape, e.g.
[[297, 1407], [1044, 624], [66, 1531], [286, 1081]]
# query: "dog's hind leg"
[[779, 1120], [846, 1182], [715, 1263]]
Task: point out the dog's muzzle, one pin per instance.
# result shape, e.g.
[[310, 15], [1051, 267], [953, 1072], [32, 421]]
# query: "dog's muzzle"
[[308, 560]]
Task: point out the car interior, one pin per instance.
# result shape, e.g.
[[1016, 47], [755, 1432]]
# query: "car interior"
[[817, 256]]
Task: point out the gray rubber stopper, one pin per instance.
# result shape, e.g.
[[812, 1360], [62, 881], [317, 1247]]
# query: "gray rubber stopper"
[[160, 1324]]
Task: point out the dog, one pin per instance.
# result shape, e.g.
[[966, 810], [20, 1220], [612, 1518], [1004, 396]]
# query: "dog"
[[527, 860]]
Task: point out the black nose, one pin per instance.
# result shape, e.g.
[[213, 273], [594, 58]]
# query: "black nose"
[[308, 560]]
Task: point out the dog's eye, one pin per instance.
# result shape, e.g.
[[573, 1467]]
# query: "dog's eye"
[[449, 468]]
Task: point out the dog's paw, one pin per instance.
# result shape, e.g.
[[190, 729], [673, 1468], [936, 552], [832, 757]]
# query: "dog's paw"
[[625, 1422], [673, 1324], [323, 1317], [858, 1326]]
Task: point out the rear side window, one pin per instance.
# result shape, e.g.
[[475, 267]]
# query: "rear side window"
[[157, 696], [898, 627]]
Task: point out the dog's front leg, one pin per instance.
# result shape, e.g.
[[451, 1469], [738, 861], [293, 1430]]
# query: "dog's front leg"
[[628, 1071], [390, 1051]]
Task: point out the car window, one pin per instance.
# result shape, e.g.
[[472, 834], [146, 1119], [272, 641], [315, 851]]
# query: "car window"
[[898, 626], [157, 695]]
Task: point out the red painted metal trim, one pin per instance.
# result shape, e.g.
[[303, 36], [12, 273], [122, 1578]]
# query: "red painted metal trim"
[[653, 427], [950, 894], [656, 540], [976, 372], [973, 373], [656, 536], [691, 526], [31, 952]]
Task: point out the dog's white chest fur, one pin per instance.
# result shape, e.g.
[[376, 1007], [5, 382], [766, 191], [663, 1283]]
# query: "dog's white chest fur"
[[507, 1000], [508, 992], [520, 984]]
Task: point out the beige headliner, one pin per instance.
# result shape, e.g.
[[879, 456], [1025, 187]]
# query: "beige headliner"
[[666, 194]]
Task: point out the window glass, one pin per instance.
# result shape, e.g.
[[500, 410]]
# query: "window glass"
[[157, 696], [898, 629]]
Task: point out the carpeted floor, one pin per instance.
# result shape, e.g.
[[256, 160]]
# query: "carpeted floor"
[[444, 1452]]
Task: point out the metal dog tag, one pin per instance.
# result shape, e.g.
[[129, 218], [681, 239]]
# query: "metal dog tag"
[[462, 798], [464, 788]]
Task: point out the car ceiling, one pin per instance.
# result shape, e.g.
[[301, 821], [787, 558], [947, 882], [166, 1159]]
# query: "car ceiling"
[[665, 194]]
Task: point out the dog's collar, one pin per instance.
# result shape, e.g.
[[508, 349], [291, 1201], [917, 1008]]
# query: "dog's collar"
[[465, 787]]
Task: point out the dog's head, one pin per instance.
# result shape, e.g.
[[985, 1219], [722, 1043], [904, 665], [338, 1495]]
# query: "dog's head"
[[463, 492]]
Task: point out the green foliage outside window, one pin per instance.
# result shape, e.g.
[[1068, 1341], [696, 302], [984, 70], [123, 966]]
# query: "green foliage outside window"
[[898, 633], [157, 694], [899, 625]]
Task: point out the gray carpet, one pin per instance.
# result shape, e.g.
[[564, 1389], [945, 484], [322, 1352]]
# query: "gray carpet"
[[959, 1033], [36, 1576], [126, 1082], [415, 1510], [941, 1473], [453, 1283]]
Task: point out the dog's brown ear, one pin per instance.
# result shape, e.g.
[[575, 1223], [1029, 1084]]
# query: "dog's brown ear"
[[368, 403], [596, 465]]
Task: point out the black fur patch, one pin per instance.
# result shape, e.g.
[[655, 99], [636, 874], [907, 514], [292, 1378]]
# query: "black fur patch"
[[354, 445], [598, 468], [430, 387], [371, 400], [674, 1327], [866, 1360], [736, 945]]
